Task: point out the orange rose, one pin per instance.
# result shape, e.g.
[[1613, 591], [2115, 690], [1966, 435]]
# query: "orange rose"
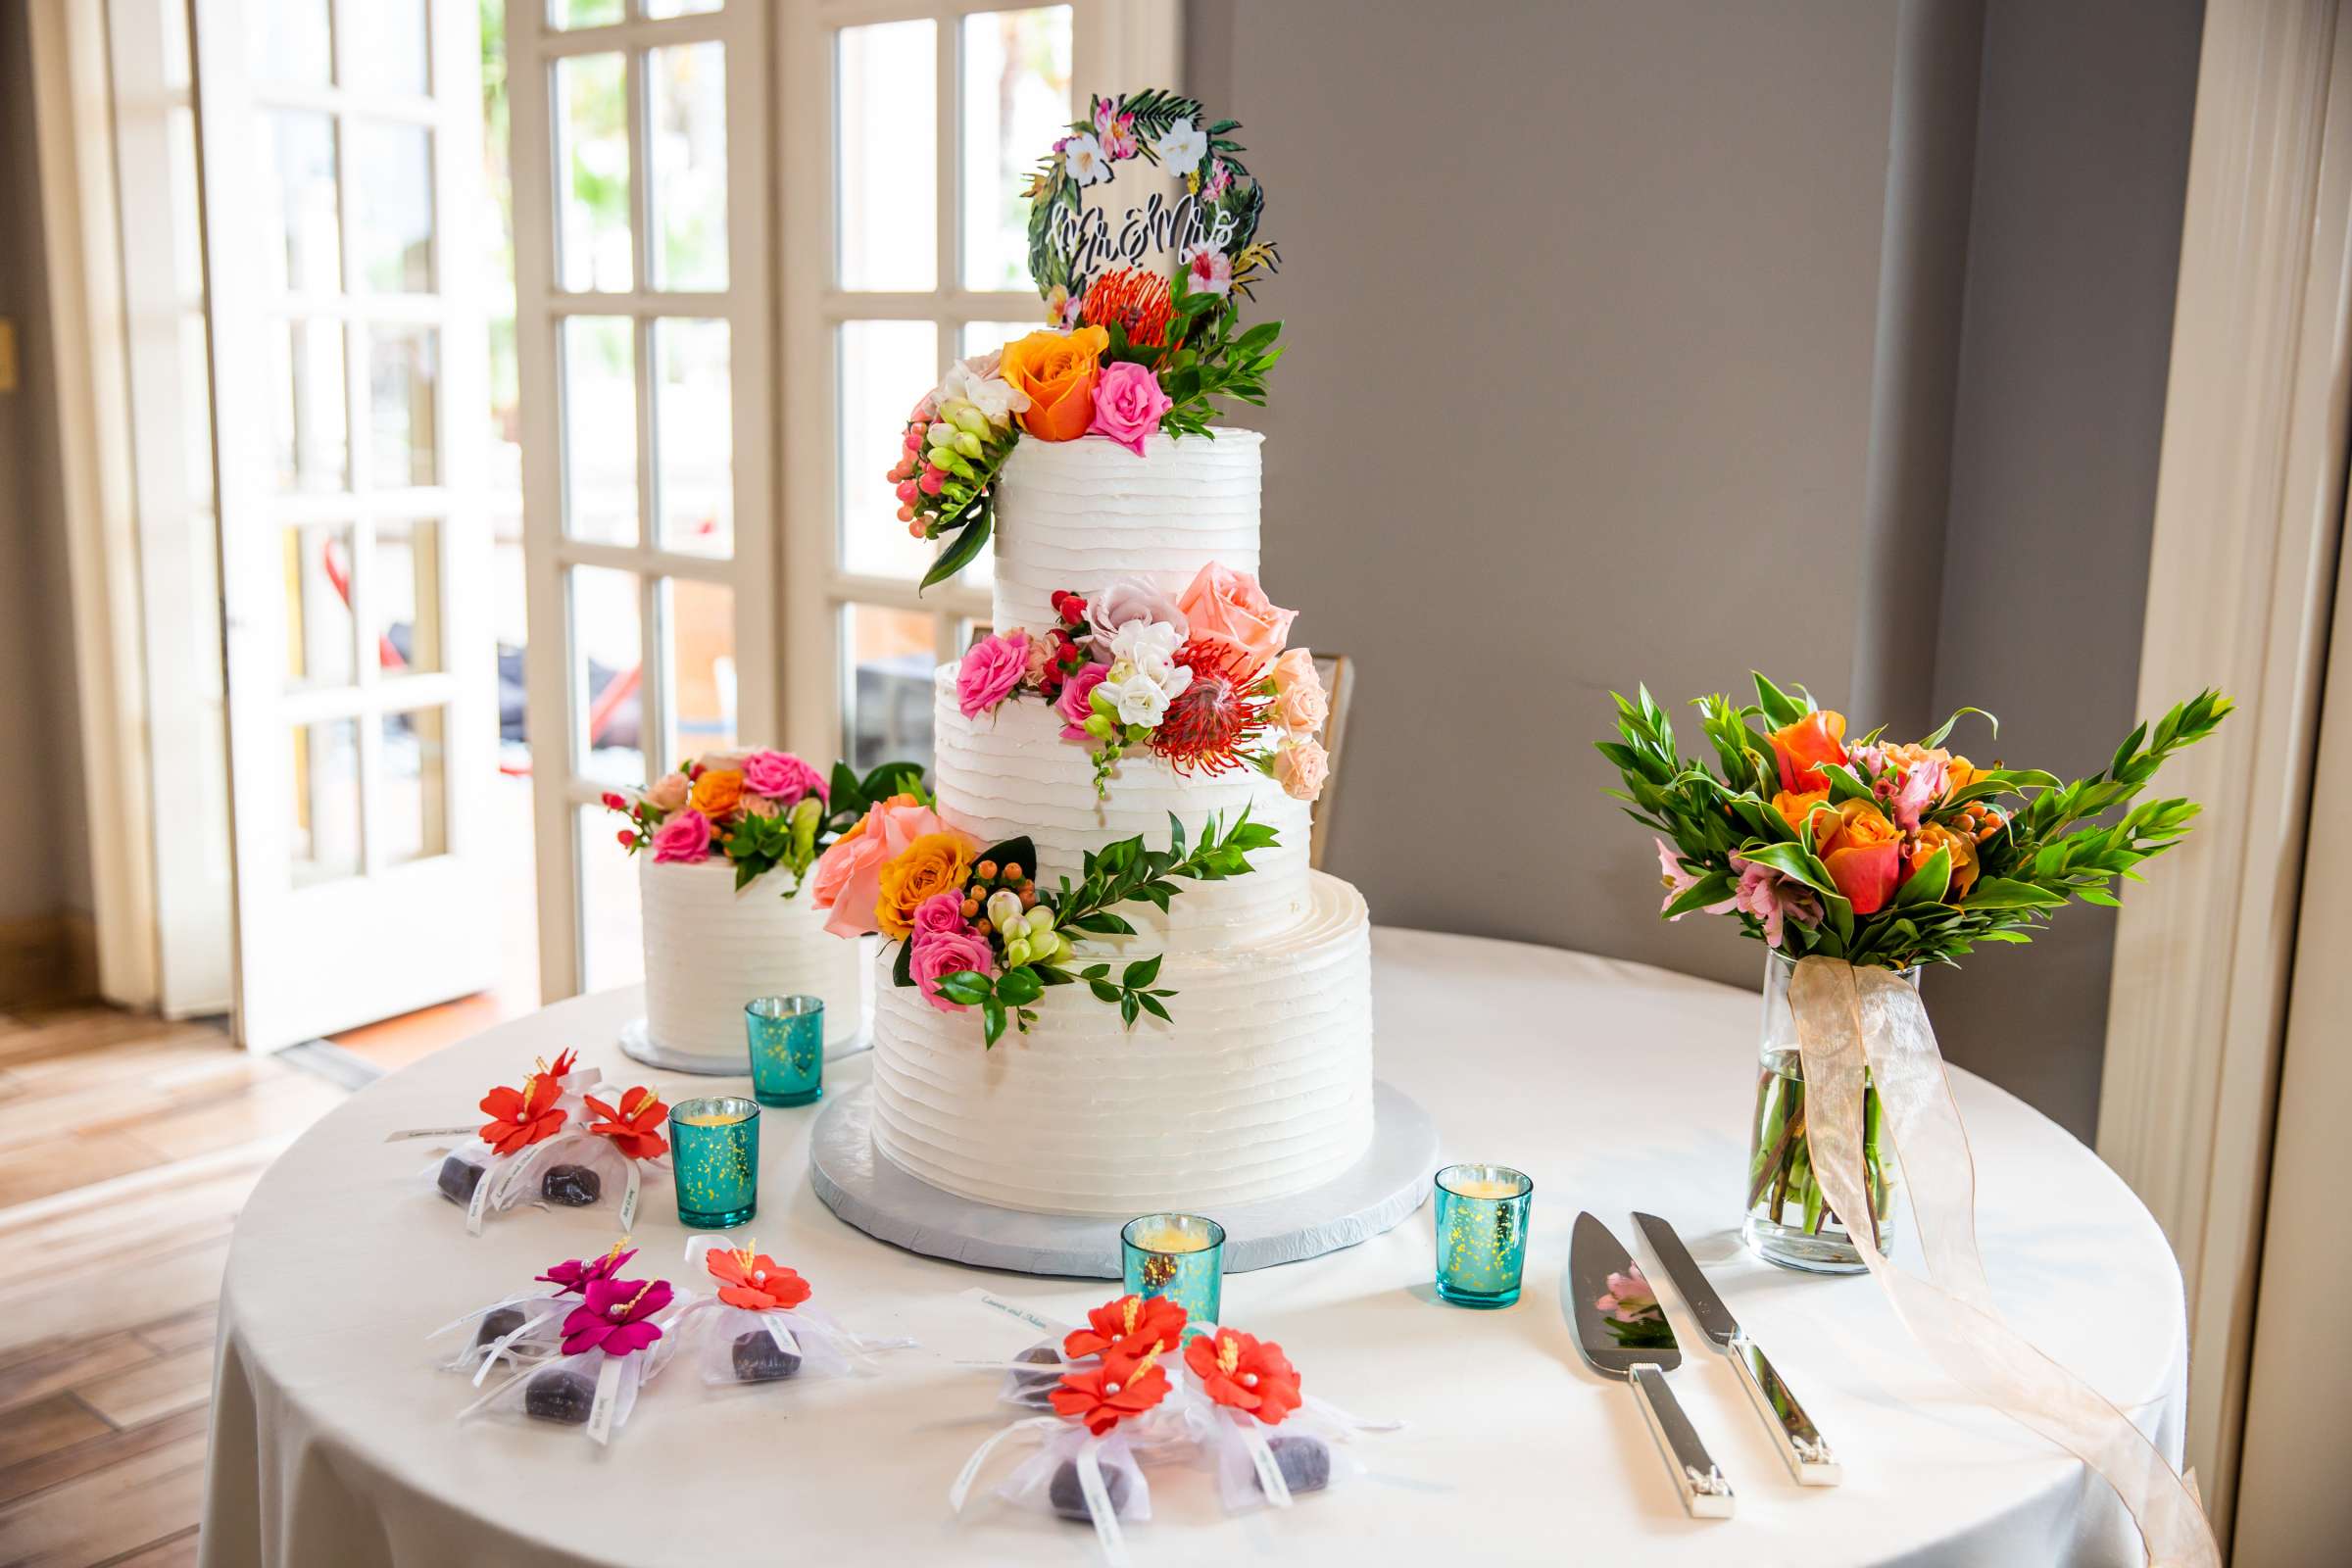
[[719, 793], [936, 862], [1058, 372], [1959, 774], [1934, 836], [1795, 807], [1864, 855], [1804, 747]]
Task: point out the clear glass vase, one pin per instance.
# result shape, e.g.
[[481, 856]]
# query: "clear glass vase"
[[1788, 1220]]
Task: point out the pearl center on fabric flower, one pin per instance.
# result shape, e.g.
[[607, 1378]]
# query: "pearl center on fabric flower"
[[1110, 1389], [617, 1311], [1248, 1380], [759, 1276]]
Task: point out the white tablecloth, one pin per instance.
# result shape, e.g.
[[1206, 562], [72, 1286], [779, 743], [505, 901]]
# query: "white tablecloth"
[[1614, 1085]]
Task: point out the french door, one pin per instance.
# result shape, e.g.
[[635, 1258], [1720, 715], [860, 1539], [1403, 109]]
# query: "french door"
[[341, 154], [643, 348]]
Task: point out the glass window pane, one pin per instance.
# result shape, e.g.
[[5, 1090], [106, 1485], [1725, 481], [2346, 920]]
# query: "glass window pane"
[[979, 337], [312, 434], [689, 158], [403, 375], [694, 447], [299, 177], [583, 13], [1017, 104], [600, 428], [392, 207], [658, 9], [385, 47], [404, 593], [291, 42], [196, 409], [612, 932], [592, 174], [326, 837], [887, 146], [414, 809], [608, 644], [701, 616], [172, 36], [187, 232], [318, 626], [885, 368], [892, 653]]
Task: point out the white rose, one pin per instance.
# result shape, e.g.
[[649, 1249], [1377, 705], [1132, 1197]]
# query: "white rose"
[[1139, 699], [1182, 148]]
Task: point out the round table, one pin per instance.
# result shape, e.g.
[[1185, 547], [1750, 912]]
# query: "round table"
[[1614, 1085]]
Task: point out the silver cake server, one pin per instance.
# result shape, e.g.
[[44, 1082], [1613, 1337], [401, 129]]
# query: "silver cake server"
[[1623, 1334], [1801, 1448]]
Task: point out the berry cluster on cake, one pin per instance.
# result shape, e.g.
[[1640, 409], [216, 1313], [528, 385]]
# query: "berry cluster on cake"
[[1111, 981]]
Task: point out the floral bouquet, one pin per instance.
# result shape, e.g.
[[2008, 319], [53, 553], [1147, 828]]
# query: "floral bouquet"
[[1129, 351], [974, 927], [1881, 854], [761, 810], [1204, 681]]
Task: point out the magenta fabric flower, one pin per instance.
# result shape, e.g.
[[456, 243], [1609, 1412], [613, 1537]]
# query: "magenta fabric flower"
[[1072, 703], [782, 777], [615, 1317], [683, 839], [938, 952], [574, 1276], [940, 911], [992, 668], [1128, 404]]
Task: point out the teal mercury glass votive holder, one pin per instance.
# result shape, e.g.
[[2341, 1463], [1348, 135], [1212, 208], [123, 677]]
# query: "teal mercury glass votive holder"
[[1181, 1257], [1482, 1233], [715, 1157], [787, 1049]]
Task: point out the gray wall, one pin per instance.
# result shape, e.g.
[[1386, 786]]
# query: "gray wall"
[[1648, 342], [44, 855]]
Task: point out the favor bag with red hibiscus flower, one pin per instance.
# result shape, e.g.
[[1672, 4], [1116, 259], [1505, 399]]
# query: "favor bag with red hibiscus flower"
[[758, 1326], [1129, 1324], [526, 1326], [1267, 1441], [557, 1140], [614, 1339], [1084, 1469]]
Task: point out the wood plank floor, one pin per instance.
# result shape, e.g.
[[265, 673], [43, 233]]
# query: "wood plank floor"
[[126, 1147]]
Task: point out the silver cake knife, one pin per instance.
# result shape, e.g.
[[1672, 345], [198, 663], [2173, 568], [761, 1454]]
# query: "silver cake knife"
[[1801, 1448]]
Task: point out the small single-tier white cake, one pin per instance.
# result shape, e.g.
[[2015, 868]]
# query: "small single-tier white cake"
[[1261, 1086], [709, 949]]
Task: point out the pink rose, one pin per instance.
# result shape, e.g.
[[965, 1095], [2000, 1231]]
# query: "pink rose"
[[939, 952], [1301, 768], [668, 792], [992, 668], [1128, 404], [782, 777], [1072, 703], [940, 911], [848, 877], [1229, 607], [683, 838], [1131, 599]]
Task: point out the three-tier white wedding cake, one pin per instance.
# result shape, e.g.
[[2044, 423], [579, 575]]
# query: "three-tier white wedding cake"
[[1261, 1085]]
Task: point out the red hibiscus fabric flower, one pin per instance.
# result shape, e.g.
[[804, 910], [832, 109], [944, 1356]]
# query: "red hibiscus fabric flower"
[[1131, 1326], [1104, 1397], [634, 1126], [520, 1117], [755, 1281], [615, 1317], [1245, 1372]]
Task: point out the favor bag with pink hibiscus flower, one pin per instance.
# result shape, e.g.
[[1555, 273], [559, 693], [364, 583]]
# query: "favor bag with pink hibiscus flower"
[[613, 1343], [526, 1326], [758, 1326]]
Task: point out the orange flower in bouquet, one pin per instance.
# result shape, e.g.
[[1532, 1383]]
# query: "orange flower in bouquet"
[[1058, 370], [1864, 854], [936, 862], [719, 793], [1803, 746]]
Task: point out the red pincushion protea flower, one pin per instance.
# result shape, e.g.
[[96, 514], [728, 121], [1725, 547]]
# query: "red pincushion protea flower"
[[1209, 723], [1135, 299]]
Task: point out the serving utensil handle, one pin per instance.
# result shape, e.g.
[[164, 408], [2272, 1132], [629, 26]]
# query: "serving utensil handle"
[[1808, 1456], [1704, 1493]]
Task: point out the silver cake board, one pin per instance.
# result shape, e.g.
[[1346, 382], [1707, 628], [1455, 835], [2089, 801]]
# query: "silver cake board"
[[638, 1044], [861, 1184]]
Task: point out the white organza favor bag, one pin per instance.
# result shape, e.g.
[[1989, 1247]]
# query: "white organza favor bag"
[[1085, 1467], [758, 1326], [552, 1142], [614, 1344], [1268, 1442], [526, 1327]]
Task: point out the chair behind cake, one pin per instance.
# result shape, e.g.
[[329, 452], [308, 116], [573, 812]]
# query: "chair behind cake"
[[1338, 682]]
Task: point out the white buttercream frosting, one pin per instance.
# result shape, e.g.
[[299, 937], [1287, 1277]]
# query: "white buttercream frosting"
[[1261, 1086], [709, 949]]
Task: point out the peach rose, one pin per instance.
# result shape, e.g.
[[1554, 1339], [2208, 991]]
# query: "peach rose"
[[848, 877], [1804, 747], [1301, 768], [1229, 607], [719, 793], [1058, 370], [1300, 705], [1864, 855], [934, 863], [668, 792], [1934, 836]]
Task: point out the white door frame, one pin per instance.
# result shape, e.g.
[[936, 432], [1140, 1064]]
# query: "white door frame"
[[556, 701], [2249, 507]]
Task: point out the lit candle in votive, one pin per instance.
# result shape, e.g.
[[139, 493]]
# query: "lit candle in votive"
[[710, 1120], [1486, 1189], [1168, 1239]]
